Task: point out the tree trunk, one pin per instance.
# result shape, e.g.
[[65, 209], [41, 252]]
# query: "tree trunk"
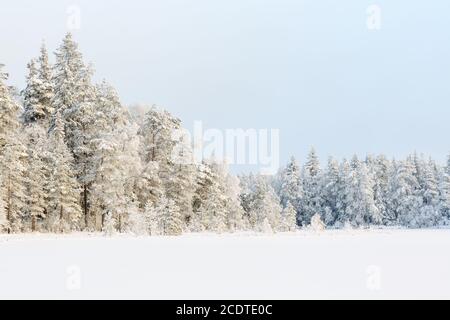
[[33, 223], [61, 216], [85, 206]]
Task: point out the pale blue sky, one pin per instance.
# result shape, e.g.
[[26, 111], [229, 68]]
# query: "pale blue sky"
[[310, 68]]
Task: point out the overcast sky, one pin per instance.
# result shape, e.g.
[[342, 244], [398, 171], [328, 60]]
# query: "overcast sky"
[[311, 68]]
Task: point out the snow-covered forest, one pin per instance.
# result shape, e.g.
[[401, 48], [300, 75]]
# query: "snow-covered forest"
[[74, 158]]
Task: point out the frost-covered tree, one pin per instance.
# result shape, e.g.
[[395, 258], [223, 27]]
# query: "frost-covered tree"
[[208, 201], [36, 175], [156, 133], [233, 208], [64, 211], [152, 218], [312, 201], [403, 194], [3, 218], [381, 169], [163, 142], [265, 205], [9, 110], [290, 184], [12, 158], [444, 195], [178, 175], [110, 224], [429, 213], [171, 219], [75, 97], [288, 218], [360, 206], [38, 94], [13, 167], [115, 161], [331, 189], [342, 200]]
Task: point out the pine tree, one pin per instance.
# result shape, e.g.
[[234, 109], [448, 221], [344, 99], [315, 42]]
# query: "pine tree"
[[36, 175], [381, 169], [312, 202], [33, 110], [444, 197], [429, 214], [171, 219], [38, 94], [291, 188], [288, 218], [360, 207], [9, 110], [162, 142], [331, 192], [74, 97], [231, 192], [12, 158], [208, 201], [342, 200], [3, 218], [264, 206], [152, 220], [115, 160], [13, 166], [64, 209], [403, 192]]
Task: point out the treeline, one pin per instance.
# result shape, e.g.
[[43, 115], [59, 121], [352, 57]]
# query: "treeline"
[[73, 158], [375, 191]]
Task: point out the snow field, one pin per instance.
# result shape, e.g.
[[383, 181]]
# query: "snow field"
[[370, 264]]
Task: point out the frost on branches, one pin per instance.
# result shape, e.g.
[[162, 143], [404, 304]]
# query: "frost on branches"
[[74, 158]]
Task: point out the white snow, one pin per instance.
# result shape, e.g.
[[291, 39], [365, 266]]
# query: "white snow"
[[360, 264]]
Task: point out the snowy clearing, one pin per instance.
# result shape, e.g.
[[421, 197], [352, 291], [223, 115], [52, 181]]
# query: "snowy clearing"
[[357, 264]]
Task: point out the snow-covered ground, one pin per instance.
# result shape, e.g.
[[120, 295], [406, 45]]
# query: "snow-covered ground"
[[333, 264]]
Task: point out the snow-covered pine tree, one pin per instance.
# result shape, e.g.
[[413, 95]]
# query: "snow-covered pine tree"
[[3, 218], [46, 90], [64, 211], [32, 108], [312, 202], [162, 142], [74, 97], [38, 94], [109, 226], [342, 200], [291, 187], [360, 208], [381, 169], [429, 213], [404, 199], [331, 192], [179, 175], [152, 218], [115, 160], [233, 208], [265, 205], [36, 175], [208, 201], [171, 218], [444, 195], [12, 167], [12, 157], [288, 218], [156, 135], [9, 110]]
